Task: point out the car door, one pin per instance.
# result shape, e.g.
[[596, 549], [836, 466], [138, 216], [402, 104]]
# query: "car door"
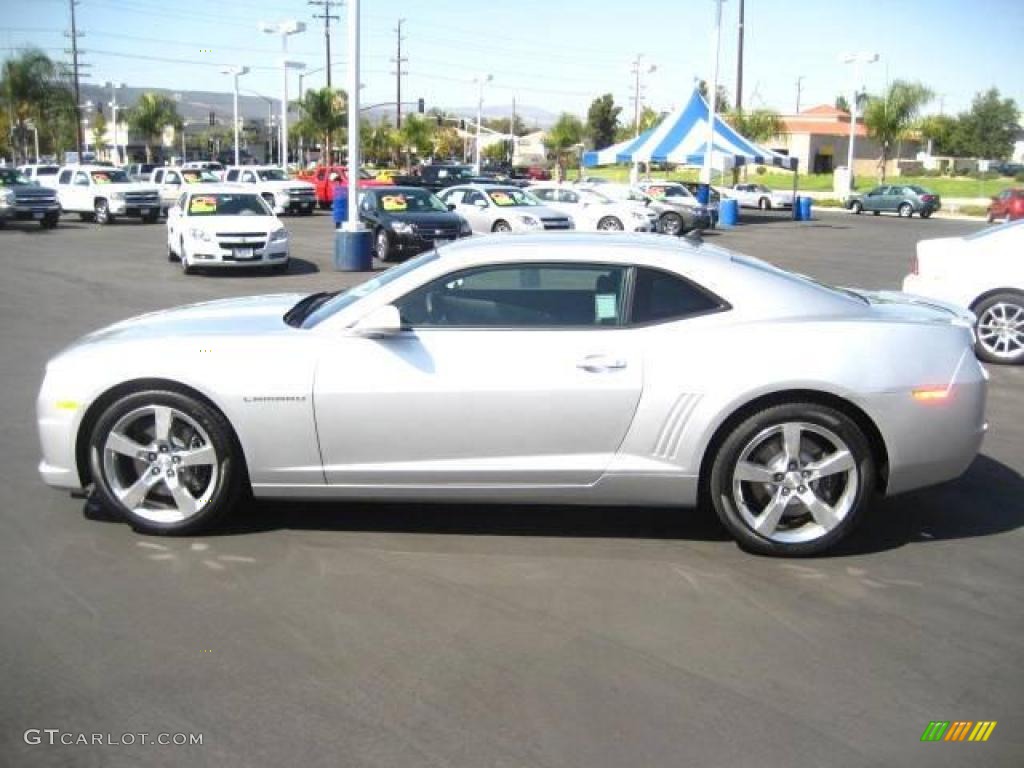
[[475, 208], [81, 192], [506, 375], [875, 199], [64, 196], [368, 210]]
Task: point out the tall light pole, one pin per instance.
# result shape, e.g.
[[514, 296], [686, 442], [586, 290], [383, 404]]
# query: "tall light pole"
[[284, 29], [113, 115], [716, 44], [479, 117], [353, 224], [638, 71], [858, 60], [236, 72]]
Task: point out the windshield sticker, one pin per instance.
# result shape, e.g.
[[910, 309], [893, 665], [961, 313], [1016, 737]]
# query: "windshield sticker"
[[191, 178], [657, 192], [605, 306], [394, 203], [101, 178], [502, 199], [202, 204]]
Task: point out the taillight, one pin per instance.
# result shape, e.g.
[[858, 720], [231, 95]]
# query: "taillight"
[[914, 265], [927, 198]]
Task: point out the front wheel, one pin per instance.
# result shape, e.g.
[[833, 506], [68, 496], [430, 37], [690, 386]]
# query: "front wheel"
[[1000, 328], [101, 212], [382, 245], [49, 221], [610, 224], [501, 226], [764, 204], [165, 461], [792, 479], [906, 210], [857, 207], [671, 224], [186, 265]]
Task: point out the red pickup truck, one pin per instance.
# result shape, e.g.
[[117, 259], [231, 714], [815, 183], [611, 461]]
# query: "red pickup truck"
[[320, 177]]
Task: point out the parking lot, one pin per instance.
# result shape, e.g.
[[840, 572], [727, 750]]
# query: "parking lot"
[[413, 635]]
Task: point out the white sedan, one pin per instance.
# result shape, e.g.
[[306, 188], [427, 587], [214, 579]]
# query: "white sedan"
[[593, 211], [983, 272], [224, 225], [758, 196]]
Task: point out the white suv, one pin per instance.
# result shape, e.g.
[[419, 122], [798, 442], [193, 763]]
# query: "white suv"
[[103, 193], [45, 175], [283, 194]]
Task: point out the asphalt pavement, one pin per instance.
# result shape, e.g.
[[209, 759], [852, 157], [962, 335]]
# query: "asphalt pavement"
[[442, 635]]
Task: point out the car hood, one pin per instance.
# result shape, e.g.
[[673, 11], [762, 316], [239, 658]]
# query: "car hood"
[[249, 315], [130, 186], [235, 224], [286, 185]]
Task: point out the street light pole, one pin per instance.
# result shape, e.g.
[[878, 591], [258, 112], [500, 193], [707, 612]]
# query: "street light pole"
[[353, 224], [858, 60], [113, 116], [479, 118], [284, 29], [716, 44], [236, 72]]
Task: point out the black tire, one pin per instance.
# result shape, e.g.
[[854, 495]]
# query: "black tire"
[[171, 255], [610, 224], [721, 482], [49, 221], [1012, 303], [226, 480], [501, 226], [85, 216], [101, 212], [671, 224], [186, 268], [905, 211], [877, 213], [382, 245], [152, 217], [926, 213], [991, 217], [857, 207], [764, 204]]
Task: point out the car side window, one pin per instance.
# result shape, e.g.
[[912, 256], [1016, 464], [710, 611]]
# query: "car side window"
[[660, 297], [65, 177], [173, 178], [568, 196], [472, 197], [248, 176], [453, 198], [544, 194], [81, 179], [231, 175], [367, 202], [519, 296]]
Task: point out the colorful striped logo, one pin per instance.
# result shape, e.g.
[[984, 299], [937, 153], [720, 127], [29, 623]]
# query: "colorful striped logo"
[[958, 730]]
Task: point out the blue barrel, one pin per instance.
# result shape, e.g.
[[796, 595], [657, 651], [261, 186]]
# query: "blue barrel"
[[805, 209], [703, 193], [353, 251], [728, 212]]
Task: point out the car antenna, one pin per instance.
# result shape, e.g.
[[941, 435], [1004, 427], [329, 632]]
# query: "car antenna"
[[695, 237]]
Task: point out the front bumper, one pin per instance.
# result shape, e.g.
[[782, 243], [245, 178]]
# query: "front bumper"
[[122, 208], [412, 243], [29, 212], [286, 205], [211, 255]]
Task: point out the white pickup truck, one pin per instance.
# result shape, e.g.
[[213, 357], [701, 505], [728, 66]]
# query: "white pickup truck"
[[283, 194], [103, 193], [171, 182]]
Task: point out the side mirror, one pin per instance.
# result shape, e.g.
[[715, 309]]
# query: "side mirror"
[[383, 321], [451, 206]]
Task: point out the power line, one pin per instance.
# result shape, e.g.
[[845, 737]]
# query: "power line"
[[398, 61], [326, 16]]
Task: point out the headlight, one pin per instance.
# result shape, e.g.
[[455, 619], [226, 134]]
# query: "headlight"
[[279, 235], [7, 197], [465, 229], [530, 221], [200, 234], [402, 228]]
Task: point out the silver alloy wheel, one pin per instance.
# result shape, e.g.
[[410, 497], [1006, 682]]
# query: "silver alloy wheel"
[[161, 464], [671, 224], [609, 224], [382, 245], [101, 212], [502, 226], [906, 210], [1001, 330], [185, 267], [856, 206], [794, 482]]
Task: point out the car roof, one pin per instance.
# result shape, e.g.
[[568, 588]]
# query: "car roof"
[[222, 187], [485, 187]]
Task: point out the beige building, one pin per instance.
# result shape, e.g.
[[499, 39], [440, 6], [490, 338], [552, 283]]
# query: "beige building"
[[819, 138]]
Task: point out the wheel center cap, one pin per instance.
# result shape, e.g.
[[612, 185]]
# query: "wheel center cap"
[[793, 480]]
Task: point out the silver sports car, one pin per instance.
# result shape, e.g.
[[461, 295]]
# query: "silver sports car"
[[581, 368]]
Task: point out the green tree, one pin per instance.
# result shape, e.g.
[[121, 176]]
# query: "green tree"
[[842, 103], [942, 131], [889, 117], [416, 136], [563, 138], [30, 84], [603, 121], [758, 125], [322, 113], [99, 134], [447, 142], [988, 130], [151, 114], [721, 97], [648, 119], [504, 125]]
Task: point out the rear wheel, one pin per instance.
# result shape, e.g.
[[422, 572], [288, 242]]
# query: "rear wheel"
[[610, 224], [101, 212], [382, 245], [926, 213], [764, 204], [186, 265], [501, 226], [1000, 328], [906, 210], [792, 479], [152, 217], [671, 224], [856, 206], [49, 221], [165, 461]]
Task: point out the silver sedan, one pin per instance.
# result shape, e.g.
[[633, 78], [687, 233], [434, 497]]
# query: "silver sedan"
[[586, 369]]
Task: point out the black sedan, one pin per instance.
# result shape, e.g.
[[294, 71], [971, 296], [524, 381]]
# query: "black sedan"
[[408, 220]]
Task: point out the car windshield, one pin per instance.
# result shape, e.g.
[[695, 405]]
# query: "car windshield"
[[410, 201], [590, 196], [272, 174], [9, 177], [455, 172], [512, 198], [338, 302], [198, 177], [1011, 227], [112, 176], [227, 204]]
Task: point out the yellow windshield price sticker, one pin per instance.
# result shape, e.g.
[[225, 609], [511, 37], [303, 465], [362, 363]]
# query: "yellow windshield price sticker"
[[202, 205], [394, 203], [191, 178], [101, 178], [502, 198], [658, 192]]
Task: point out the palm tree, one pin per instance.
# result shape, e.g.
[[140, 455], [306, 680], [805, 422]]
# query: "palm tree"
[[379, 141], [416, 135], [888, 118], [321, 113], [30, 82], [150, 115], [565, 134]]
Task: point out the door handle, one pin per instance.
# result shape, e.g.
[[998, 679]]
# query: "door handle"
[[600, 363]]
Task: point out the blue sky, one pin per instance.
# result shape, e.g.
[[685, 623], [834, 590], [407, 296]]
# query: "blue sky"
[[552, 54]]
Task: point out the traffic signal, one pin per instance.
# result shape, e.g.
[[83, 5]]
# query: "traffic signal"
[[213, 118], [440, 120], [420, 106], [462, 125]]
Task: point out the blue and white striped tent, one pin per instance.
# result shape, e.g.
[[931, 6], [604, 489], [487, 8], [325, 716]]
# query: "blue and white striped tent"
[[681, 138]]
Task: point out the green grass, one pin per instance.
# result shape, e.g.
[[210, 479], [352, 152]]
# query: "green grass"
[[822, 182]]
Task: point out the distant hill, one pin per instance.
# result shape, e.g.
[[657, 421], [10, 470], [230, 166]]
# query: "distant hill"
[[197, 105]]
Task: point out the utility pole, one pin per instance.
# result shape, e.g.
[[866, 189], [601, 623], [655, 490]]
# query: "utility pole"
[[638, 95], [399, 60], [512, 130], [74, 68], [799, 89], [327, 17], [739, 65]]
